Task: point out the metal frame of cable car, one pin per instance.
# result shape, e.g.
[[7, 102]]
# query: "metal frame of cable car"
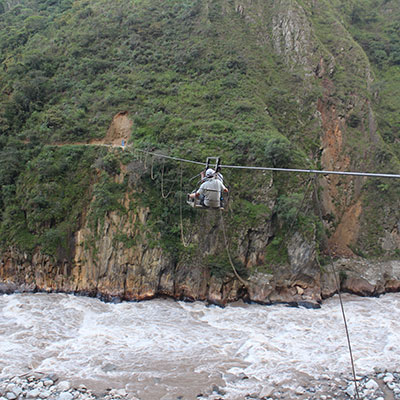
[[217, 162]]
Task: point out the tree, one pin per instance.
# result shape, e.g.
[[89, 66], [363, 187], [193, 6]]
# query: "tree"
[[278, 152]]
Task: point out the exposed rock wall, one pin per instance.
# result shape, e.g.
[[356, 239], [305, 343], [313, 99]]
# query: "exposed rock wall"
[[111, 270], [292, 35]]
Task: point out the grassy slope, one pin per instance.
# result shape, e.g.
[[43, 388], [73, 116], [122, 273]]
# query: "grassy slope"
[[197, 81]]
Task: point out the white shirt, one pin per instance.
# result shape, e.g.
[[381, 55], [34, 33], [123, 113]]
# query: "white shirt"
[[211, 189]]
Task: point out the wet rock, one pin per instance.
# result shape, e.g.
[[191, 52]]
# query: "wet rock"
[[63, 386], [359, 286], [218, 390], [371, 384], [351, 391], [65, 396], [33, 394], [252, 396], [7, 288], [312, 305], [300, 390], [392, 285], [266, 392], [300, 290], [17, 390], [388, 378], [118, 393], [52, 377], [122, 392], [44, 394], [10, 387], [82, 388], [391, 386]]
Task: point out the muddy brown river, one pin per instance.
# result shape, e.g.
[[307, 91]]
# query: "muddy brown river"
[[162, 349]]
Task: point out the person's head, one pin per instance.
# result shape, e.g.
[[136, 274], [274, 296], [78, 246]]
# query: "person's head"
[[210, 173]]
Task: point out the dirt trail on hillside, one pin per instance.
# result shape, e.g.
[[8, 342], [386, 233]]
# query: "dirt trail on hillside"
[[118, 133]]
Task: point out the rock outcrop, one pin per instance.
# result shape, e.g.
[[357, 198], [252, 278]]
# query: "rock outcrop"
[[110, 269]]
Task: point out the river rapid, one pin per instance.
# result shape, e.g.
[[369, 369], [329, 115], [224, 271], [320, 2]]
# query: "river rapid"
[[163, 349]]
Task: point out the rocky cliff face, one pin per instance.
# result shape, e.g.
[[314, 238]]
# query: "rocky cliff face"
[[143, 272]]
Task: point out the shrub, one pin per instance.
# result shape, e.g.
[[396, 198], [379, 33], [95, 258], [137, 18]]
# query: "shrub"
[[109, 163], [287, 207], [107, 195], [354, 120], [276, 253], [278, 152], [220, 266]]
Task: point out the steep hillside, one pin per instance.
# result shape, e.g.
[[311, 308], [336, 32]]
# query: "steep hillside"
[[284, 83]]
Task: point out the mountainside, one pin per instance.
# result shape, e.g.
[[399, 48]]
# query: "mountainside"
[[283, 83]]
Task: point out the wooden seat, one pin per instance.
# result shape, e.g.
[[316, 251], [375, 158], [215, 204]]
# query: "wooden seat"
[[195, 203]]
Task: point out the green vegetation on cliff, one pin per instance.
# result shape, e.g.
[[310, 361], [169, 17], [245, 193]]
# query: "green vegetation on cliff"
[[198, 78], [44, 206]]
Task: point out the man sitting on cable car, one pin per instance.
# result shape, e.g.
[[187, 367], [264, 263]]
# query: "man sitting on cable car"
[[210, 191]]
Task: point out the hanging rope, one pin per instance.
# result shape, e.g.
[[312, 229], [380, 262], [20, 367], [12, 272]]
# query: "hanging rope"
[[337, 288], [193, 177], [180, 210], [162, 184], [240, 279], [153, 178]]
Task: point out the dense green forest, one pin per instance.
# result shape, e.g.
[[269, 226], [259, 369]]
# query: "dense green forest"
[[198, 78]]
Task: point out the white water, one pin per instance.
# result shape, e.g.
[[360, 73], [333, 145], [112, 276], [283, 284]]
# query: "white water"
[[160, 349]]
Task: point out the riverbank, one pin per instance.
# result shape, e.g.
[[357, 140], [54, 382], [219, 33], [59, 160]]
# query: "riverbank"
[[36, 385]]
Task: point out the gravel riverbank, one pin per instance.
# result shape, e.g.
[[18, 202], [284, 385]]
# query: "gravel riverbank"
[[380, 386], [50, 387]]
